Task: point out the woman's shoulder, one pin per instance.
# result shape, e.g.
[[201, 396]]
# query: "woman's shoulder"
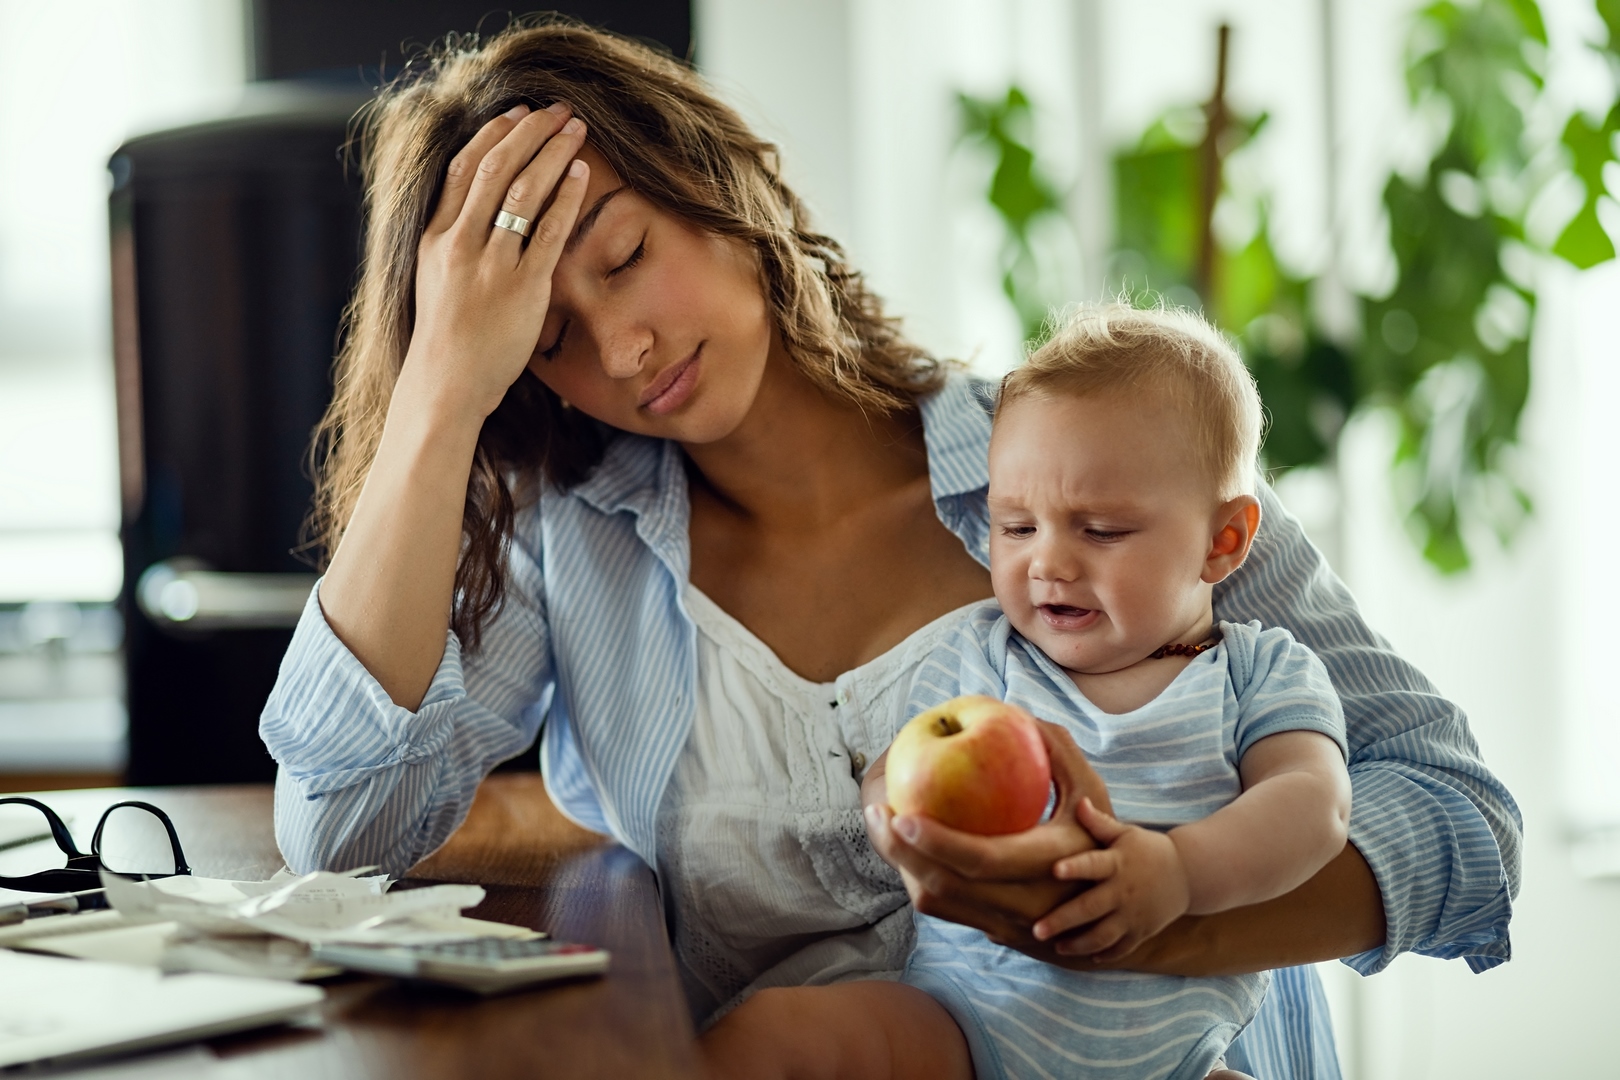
[[962, 395]]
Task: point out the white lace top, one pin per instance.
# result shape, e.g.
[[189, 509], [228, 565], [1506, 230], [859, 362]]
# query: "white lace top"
[[766, 872]]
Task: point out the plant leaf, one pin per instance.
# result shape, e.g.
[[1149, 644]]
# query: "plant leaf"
[[1584, 242], [1609, 12]]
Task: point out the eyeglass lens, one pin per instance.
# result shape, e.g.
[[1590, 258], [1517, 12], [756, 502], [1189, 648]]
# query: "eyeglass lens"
[[26, 846], [134, 841]]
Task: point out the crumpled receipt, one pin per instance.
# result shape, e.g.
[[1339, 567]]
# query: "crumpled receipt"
[[262, 928], [313, 908]]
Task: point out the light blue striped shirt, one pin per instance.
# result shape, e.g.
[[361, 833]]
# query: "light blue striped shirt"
[[1172, 761], [594, 640]]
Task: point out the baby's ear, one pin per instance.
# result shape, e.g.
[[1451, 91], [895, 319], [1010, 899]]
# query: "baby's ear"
[[1236, 522]]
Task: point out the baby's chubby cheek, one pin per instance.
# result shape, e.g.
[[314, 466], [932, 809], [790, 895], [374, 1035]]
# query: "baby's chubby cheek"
[[1011, 587]]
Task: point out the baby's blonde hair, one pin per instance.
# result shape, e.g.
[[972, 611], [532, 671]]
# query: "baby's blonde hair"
[[1102, 348]]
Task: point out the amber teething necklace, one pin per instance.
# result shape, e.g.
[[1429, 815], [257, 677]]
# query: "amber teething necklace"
[[1177, 649]]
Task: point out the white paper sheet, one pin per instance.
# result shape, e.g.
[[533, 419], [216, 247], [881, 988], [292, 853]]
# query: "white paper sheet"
[[52, 1008], [319, 907], [192, 1063]]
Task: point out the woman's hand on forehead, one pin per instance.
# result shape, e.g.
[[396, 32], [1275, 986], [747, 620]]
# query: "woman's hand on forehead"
[[485, 262]]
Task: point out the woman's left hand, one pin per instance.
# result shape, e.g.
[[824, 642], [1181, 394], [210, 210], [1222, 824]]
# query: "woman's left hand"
[[998, 884]]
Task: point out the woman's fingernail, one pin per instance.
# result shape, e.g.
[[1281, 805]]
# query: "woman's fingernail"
[[871, 815], [1040, 931], [907, 827], [517, 112], [560, 108], [573, 127], [577, 168]]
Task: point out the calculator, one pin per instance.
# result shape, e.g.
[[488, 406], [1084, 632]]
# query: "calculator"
[[482, 965]]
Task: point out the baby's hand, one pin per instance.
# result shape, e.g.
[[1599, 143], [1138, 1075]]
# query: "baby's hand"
[[1141, 888]]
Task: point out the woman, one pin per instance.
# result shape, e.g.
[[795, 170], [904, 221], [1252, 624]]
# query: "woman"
[[664, 477]]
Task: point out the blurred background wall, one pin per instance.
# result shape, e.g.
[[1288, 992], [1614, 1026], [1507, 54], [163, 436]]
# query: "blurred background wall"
[[860, 93]]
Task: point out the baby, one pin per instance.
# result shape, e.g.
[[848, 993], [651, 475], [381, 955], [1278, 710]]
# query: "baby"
[[1122, 467]]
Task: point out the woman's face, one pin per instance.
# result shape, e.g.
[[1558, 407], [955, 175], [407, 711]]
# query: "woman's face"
[[654, 327]]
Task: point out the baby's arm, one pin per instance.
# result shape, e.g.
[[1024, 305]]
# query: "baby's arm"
[[1290, 821]]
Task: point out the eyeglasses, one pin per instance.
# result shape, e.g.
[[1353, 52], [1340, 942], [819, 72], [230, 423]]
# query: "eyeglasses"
[[132, 839]]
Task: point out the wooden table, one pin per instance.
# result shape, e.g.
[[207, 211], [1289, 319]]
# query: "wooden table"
[[540, 872]]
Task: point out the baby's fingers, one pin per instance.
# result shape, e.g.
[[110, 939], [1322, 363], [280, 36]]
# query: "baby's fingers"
[[1088, 907], [1120, 949], [1087, 866], [1096, 940], [1099, 824]]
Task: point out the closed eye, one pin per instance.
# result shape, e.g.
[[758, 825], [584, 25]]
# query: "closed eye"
[[1018, 531], [1104, 536], [635, 257], [556, 347]]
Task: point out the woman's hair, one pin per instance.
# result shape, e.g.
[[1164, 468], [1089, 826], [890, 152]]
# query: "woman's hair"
[[671, 141], [1110, 348]]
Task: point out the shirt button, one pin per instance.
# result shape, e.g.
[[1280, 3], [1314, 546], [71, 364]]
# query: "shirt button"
[[858, 763]]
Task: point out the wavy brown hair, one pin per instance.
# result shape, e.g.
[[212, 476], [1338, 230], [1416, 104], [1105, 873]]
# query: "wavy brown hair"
[[670, 140]]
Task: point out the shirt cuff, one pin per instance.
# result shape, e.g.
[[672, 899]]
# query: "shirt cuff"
[[321, 678], [1438, 868]]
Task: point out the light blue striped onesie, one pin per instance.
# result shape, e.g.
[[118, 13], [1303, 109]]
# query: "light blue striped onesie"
[[1172, 761]]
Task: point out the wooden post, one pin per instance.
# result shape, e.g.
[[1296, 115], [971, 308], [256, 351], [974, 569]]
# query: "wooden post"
[[1216, 121]]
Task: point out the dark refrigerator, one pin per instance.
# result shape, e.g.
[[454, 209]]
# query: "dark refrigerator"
[[234, 249]]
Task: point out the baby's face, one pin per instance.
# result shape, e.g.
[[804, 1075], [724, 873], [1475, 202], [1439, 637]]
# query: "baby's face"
[[1100, 524]]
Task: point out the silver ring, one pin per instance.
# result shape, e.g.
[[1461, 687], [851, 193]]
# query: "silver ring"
[[512, 222]]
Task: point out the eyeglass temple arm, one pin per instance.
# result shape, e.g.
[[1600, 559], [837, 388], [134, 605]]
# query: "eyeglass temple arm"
[[59, 829]]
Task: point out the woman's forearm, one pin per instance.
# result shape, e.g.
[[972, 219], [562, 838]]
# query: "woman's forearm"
[[1337, 913], [388, 592], [480, 304]]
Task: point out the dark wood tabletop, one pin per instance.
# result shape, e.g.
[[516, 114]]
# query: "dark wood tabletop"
[[540, 872]]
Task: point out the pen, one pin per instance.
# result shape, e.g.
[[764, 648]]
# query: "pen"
[[11, 914]]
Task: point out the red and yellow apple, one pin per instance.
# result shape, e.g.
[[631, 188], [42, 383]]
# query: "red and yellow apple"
[[973, 763]]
